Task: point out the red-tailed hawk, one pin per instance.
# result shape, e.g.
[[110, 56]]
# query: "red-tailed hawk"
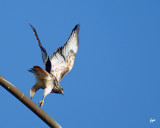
[[56, 66]]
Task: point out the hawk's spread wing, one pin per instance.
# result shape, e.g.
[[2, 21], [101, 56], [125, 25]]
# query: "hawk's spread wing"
[[45, 56], [63, 59]]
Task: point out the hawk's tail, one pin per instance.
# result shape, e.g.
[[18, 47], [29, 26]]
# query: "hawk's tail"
[[37, 70]]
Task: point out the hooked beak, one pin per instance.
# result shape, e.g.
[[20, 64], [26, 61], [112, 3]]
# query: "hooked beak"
[[62, 92]]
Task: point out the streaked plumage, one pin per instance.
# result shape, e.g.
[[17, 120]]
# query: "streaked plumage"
[[56, 66]]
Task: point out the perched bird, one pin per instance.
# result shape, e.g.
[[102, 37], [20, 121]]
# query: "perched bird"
[[57, 65]]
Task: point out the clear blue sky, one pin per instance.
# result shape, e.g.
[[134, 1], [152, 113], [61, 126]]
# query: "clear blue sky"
[[115, 82]]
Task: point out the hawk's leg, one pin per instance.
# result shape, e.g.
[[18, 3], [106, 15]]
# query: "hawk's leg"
[[33, 90], [46, 92]]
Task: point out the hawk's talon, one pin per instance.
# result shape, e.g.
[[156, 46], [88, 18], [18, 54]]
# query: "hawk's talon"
[[41, 103]]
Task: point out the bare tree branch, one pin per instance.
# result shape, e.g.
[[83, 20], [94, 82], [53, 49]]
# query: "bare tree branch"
[[29, 103]]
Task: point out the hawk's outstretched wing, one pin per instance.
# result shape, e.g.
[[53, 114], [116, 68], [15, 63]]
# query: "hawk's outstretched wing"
[[63, 59], [45, 56]]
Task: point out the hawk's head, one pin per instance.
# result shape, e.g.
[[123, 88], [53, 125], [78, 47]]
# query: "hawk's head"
[[59, 91], [57, 88]]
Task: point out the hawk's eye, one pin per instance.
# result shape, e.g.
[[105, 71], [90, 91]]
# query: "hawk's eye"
[[62, 88]]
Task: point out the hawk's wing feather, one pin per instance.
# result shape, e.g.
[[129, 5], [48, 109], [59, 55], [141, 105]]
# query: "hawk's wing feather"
[[45, 56], [63, 59]]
